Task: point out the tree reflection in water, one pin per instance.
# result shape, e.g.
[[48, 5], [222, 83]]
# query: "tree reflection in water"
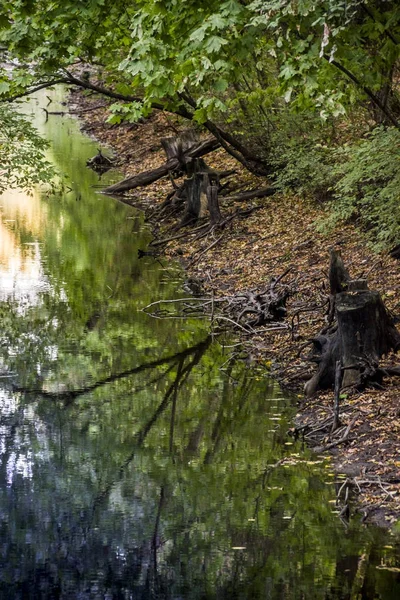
[[136, 460], [162, 482]]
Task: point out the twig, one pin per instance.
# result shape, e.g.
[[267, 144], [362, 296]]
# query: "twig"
[[338, 381], [249, 330], [341, 440], [192, 299], [195, 260], [179, 236], [276, 281]]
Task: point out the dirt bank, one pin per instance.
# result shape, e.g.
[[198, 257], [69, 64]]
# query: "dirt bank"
[[280, 236]]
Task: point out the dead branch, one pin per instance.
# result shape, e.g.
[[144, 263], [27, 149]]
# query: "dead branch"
[[339, 441], [197, 258], [250, 194], [172, 164]]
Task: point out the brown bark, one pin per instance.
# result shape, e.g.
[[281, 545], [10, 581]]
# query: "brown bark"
[[363, 333], [183, 156], [201, 195]]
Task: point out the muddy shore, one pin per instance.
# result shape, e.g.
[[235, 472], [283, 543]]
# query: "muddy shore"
[[279, 235]]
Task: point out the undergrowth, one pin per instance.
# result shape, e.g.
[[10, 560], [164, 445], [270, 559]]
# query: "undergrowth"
[[358, 181]]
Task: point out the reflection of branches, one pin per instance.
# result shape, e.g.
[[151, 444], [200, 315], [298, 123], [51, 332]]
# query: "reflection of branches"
[[149, 384], [241, 398], [70, 395], [152, 568], [172, 391], [216, 431], [173, 409]]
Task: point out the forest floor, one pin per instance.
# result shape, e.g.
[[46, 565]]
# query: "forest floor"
[[278, 236]]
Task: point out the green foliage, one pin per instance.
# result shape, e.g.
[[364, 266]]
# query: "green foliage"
[[361, 179], [164, 49], [248, 66], [130, 112], [302, 155], [22, 152], [306, 169], [368, 184]]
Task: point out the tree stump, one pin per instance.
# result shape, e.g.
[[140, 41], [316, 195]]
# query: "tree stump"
[[363, 333], [365, 329], [201, 191]]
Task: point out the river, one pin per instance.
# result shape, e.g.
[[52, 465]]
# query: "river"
[[136, 459]]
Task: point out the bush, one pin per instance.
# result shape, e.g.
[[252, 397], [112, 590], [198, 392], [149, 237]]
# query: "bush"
[[306, 168], [361, 181], [367, 186]]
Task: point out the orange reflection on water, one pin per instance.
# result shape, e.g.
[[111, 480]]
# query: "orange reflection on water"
[[21, 217]]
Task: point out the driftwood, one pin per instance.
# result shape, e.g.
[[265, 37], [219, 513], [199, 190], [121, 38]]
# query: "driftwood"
[[180, 152], [364, 331], [245, 311], [100, 163], [252, 309]]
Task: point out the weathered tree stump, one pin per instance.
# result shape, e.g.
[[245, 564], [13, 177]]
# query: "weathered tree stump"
[[363, 333], [212, 198], [201, 191]]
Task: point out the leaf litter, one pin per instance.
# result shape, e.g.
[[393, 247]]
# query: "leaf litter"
[[280, 234]]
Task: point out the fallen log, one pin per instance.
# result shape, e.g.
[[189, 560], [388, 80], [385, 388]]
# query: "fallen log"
[[250, 194], [183, 155]]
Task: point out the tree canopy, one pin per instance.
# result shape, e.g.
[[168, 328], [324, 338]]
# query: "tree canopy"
[[304, 53], [243, 69]]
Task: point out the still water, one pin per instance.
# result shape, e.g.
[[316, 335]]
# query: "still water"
[[136, 460]]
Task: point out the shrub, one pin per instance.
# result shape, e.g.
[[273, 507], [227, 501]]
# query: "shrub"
[[367, 186], [361, 180]]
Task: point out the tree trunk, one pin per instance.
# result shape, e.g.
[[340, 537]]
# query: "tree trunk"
[[363, 333], [201, 195], [212, 201], [365, 329]]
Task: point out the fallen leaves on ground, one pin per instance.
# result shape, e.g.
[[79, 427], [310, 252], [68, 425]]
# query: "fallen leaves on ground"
[[281, 234]]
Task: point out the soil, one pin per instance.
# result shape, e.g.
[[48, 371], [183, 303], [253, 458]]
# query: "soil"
[[280, 234]]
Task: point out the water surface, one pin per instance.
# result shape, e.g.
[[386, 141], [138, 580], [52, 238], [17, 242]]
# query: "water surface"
[[136, 459]]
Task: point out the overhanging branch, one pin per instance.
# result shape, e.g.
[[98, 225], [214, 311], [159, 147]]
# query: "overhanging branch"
[[365, 89]]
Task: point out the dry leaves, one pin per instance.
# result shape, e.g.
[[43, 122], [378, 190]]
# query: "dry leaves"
[[281, 234]]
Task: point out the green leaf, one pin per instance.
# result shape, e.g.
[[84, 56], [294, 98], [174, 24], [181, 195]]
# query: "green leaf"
[[221, 85]]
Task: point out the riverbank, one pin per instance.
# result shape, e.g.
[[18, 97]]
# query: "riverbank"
[[276, 237]]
